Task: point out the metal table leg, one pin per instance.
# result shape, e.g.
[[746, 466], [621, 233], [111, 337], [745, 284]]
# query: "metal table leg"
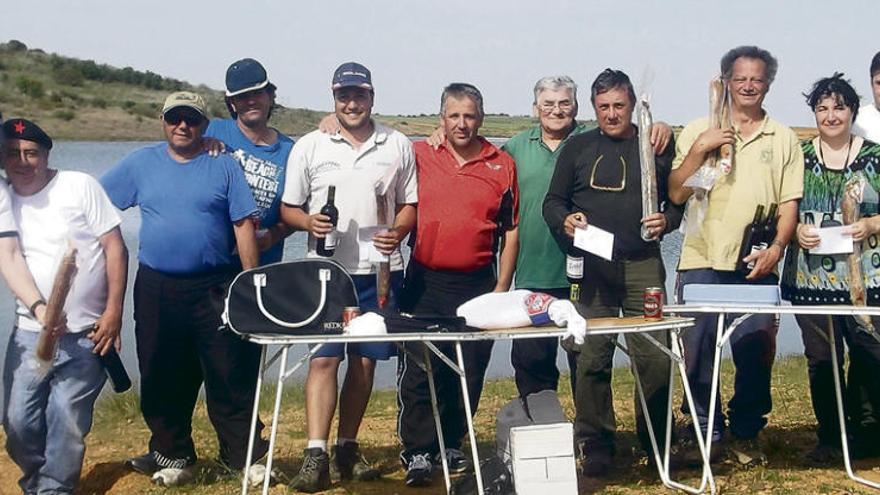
[[251, 436], [841, 415], [437, 425], [469, 417]]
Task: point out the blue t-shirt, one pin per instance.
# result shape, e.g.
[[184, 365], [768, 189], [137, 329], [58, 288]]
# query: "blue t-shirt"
[[264, 167], [187, 209]]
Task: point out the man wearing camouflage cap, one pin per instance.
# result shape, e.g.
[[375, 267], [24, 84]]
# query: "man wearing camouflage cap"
[[195, 209]]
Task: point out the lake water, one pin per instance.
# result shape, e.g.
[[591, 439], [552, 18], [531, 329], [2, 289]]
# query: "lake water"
[[96, 157]]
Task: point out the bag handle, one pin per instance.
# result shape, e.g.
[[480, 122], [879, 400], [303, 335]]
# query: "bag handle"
[[260, 281]]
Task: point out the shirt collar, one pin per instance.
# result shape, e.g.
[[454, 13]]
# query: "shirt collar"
[[379, 136]]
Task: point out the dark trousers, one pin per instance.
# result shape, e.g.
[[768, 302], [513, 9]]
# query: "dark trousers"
[[179, 345], [611, 287], [534, 360], [439, 292], [861, 389], [753, 345]]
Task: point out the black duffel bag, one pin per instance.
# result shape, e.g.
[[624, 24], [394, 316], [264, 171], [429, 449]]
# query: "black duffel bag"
[[303, 297]]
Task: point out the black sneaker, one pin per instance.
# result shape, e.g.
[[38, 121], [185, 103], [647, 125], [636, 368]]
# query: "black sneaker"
[[347, 463], [597, 462], [418, 470], [746, 452], [314, 476], [823, 454], [455, 459], [152, 461]]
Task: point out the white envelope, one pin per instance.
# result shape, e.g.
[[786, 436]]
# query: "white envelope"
[[833, 240], [595, 240], [368, 251]]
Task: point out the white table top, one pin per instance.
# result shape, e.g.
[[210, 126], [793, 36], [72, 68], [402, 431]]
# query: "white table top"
[[595, 326]]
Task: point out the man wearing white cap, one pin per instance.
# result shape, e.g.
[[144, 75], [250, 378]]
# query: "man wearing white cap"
[[259, 149], [195, 210]]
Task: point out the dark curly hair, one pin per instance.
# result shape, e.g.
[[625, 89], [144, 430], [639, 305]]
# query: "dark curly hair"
[[837, 87]]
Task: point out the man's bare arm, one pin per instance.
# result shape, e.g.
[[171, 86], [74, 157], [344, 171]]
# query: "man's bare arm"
[[507, 260], [15, 271], [246, 242], [707, 142], [109, 324]]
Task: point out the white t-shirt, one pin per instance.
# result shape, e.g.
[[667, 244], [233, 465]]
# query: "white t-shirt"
[[7, 220], [867, 124], [319, 160], [73, 206]]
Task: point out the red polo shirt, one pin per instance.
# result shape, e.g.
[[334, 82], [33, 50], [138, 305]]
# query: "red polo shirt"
[[460, 207]]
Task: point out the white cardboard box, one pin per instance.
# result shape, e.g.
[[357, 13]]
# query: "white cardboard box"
[[543, 459]]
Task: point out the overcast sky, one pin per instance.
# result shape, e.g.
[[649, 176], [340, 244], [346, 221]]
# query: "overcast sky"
[[414, 48]]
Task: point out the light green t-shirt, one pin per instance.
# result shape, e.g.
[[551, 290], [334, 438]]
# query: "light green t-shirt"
[[540, 263], [768, 168]]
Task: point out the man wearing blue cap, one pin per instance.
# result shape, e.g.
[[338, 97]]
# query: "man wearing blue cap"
[[369, 165], [259, 149]]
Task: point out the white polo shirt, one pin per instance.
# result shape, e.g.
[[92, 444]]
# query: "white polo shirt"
[[384, 161], [7, 221], [867, 124]]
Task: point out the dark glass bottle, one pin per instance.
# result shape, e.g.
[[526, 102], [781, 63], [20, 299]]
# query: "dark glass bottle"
[[751, 240], [326, 245]]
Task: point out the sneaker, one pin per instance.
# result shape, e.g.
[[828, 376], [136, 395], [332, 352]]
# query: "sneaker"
[[347, 463], [746, 452], [152, 462], [418, 470], [596, 461], [823, 454], [173, 476], [455, 459], [314, 476]]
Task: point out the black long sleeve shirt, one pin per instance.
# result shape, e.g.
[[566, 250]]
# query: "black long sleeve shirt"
[[601, 176]]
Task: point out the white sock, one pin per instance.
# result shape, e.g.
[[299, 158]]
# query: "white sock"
[[319, 444], [342, 441]]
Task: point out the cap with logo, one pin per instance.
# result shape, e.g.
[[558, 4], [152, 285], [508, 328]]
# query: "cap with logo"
[[185, 99], [246, 75], [26, 130], [352, 74]]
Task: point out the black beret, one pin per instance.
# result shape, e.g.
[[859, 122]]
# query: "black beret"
[[26, 130]]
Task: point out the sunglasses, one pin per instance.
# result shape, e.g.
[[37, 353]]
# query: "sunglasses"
[[175, 118]]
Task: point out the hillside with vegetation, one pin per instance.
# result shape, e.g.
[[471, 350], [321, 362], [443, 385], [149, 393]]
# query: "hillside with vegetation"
[[77, 99]]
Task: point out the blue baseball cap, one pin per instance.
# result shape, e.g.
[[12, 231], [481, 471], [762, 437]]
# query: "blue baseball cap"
[[246, 75], [352, 74]]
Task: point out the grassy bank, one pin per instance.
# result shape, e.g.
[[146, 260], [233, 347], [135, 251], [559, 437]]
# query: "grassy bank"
[[119, 432]]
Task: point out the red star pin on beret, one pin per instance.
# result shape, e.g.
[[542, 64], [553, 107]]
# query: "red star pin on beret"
[[19, 127]]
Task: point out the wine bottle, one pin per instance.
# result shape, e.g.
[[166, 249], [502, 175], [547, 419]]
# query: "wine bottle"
[[751, 240], [574, 272], [768, 230], [115, 371], [326, 245]]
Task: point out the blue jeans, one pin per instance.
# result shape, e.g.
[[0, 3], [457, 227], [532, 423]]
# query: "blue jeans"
[[48, 414], [753, 345]]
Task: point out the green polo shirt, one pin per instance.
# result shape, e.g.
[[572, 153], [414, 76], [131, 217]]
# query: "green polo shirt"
[[540, 263]]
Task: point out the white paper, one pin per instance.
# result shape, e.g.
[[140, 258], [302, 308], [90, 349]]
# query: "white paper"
[[595, 240], [833, 240], [368, 251]]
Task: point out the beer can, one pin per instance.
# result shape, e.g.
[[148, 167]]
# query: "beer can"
[[349, 313], [653, 303]]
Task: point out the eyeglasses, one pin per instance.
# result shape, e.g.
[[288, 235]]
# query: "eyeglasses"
[[601, 187], [175, 118], [549, 106]]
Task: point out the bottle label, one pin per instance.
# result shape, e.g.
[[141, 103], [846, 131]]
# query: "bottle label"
[[574, 267], [331, 239]]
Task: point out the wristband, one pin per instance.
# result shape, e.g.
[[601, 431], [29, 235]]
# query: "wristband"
[[779, 244], [33, 307]]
